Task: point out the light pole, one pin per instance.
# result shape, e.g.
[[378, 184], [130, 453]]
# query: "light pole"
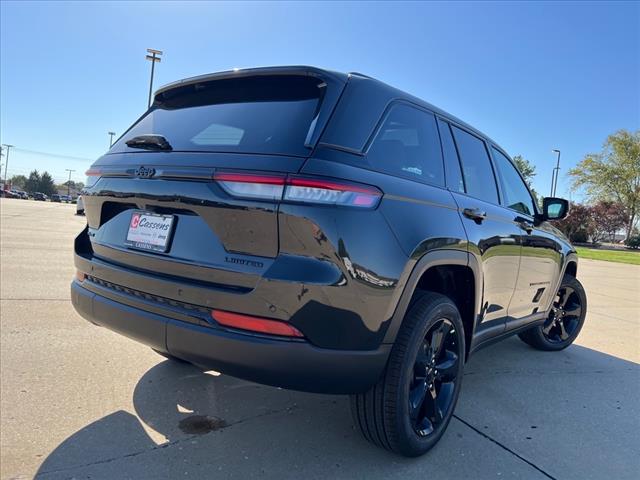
[[111, 134], [554, 176], [154, 57], [69, 182], [6, 162]]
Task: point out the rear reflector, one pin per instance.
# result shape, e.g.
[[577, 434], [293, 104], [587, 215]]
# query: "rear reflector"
[[255, 324], [314, 190]]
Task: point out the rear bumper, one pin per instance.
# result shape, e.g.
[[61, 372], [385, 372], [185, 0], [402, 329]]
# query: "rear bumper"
[[292, 364]]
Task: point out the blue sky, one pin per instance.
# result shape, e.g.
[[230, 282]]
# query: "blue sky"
[[533, 76]]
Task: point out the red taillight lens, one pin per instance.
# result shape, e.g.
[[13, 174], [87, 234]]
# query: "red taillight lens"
[[328, 192], [255, 324], [260, 187], [298, 189], [93, 175]]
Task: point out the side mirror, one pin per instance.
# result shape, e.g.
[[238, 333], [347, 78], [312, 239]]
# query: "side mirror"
[[554, 208]]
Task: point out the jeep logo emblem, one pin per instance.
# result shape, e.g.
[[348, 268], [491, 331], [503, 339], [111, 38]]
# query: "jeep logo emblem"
[[144, 172]]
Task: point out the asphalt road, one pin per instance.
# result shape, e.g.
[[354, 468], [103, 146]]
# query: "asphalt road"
[[78, 401]]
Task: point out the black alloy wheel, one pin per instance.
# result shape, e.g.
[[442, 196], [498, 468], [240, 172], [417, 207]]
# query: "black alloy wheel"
[[408, 410], [435, 373], [565, 319]]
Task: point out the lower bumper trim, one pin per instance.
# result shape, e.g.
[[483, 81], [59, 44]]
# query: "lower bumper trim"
[[291, 364]]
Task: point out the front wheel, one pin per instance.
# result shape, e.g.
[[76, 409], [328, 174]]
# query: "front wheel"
[[409, 409], [564, 321]]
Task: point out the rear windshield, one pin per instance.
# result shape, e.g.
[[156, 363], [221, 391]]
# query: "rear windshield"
[[264, 115]]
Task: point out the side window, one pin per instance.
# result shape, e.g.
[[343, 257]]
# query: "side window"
[[407, 145], [515, 192], [476, 166], [451, 162]]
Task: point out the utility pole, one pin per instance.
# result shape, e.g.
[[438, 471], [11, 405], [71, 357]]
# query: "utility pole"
[[6, 162], [111, 134], [69, 182], [154, 57], [554, 176]]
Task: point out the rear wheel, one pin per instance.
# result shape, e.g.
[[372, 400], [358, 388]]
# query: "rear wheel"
[[565, 319], [409, 409]]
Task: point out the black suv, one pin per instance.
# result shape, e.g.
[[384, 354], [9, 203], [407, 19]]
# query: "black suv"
[[323, 232]]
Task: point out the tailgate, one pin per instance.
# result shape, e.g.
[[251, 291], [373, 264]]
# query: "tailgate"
[[215, 238]]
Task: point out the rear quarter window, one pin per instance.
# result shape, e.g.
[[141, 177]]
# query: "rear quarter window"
[[407, 145]]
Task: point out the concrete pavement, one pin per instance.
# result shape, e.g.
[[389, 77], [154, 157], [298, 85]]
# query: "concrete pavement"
[[78, 401]]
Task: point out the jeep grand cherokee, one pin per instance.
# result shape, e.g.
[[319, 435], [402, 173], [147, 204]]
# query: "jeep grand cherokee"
[[323, 232]]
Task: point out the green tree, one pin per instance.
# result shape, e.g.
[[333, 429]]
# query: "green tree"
[[74, 186], [19, 182], [528, 171], [33, 182], [613, 174], [46, 184]]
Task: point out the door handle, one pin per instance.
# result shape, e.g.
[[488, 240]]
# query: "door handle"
[[475, 214], [524, 224]]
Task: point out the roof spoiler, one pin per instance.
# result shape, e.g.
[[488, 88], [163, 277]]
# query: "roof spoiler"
[[326, 75]]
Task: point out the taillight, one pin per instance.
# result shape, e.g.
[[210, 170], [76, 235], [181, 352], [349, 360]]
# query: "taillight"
[[329, 192], [264, 187], [93, 175], [255, 324], [315, 190]]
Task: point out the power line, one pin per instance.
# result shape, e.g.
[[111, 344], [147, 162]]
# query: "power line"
[[56, 155], [58, 176]]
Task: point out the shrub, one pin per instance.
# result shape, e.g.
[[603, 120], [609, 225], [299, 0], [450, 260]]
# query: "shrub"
[[581, 236], [633, 242]]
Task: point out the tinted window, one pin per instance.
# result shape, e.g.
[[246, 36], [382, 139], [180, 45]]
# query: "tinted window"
[[476, 166], [515, 193], [407, 145], [451, 162], [271, 115]]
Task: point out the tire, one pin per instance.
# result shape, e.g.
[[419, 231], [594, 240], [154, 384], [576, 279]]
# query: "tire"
[[168, 356], [384, 414], [565, 320]]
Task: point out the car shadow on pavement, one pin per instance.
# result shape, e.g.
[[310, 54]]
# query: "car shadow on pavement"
[[519, 407]]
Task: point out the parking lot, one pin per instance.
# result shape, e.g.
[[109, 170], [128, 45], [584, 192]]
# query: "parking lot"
[[78, 401]]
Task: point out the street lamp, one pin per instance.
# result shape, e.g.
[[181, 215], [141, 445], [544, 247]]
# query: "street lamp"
[[554, 175], [6, 162], [154, 57], [111, 134]]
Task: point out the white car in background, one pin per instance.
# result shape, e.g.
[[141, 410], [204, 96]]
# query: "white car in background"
[[80, 206]]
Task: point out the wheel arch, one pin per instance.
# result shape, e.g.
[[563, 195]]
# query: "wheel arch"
[[571, 268], [453, 273]]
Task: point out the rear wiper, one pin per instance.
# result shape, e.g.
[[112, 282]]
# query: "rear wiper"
[[149, 142]]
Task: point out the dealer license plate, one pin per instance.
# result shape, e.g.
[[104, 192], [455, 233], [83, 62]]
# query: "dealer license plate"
[[149, 231]]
